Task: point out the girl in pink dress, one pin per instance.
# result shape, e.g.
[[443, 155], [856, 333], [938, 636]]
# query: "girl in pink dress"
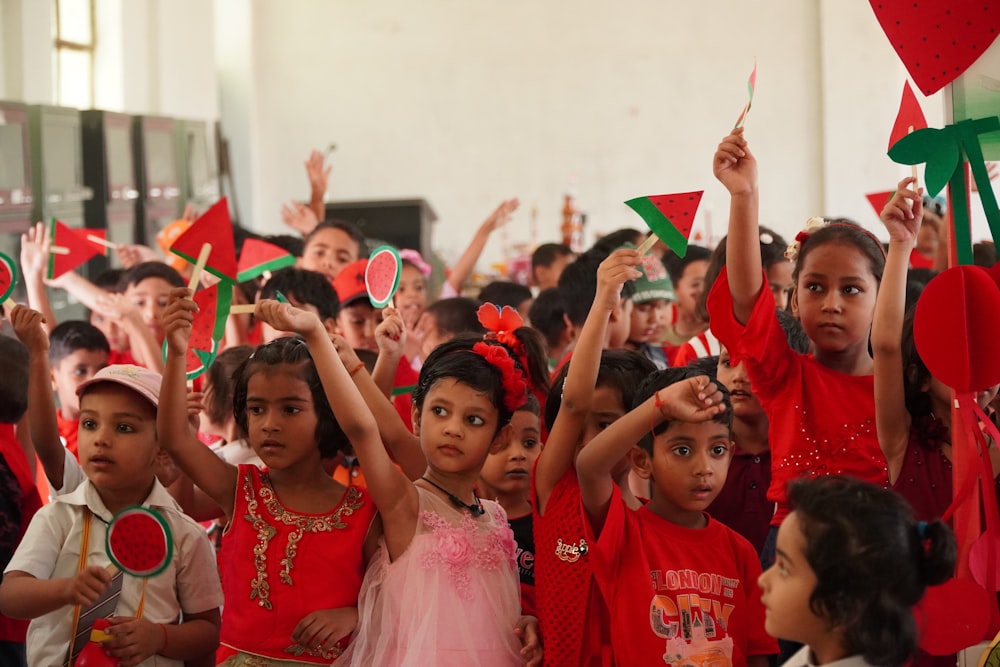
[[442, 588]]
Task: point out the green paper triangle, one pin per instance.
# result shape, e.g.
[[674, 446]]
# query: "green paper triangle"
[[670, 217]]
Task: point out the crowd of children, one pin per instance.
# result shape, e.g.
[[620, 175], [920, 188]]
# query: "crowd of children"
[[649, 459]]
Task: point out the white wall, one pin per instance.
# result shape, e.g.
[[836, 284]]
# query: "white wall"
[[469, 103]]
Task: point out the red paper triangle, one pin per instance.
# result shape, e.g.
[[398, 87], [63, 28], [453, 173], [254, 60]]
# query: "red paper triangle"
[[80, 249], [910, 115], [937, 41], [670, 217], [258, 256], [215, 227], [878, 200]]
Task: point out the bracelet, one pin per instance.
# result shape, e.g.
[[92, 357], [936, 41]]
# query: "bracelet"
[[357, 368], [164, 628], [658, 402]]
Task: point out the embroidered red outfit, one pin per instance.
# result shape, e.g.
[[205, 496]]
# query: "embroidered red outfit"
[[278, 566], [822, 422]]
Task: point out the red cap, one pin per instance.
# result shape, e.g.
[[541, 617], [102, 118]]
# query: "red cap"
[[350, 282]]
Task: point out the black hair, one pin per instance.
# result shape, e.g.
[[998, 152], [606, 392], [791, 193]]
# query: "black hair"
[[916, 281], [675, 265], [291, 244], [309, 287], [456, 360], [293, 351], [72, 335], [872, 563], [219, 380], [616, 239], [349, 228], [660, 379], [145, 270], [530, 405], [547, 253], [536, 362], [772, 251], [794, 333], [456, 316], [704, 366], [546, 316], [984, 254], [844, 232], [621, 370], [504, 293], [109, 279], [578, 285], [915, 372], [14, 359]]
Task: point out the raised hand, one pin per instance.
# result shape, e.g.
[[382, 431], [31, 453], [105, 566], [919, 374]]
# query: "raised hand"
[[286, 317], [501, 215], [130, 254], [318, 173], [616, 270], [35, 244], [696, 399], [178, 318], [734, 165], [29, 329], [903, 213], [390, 334], [299, 217]]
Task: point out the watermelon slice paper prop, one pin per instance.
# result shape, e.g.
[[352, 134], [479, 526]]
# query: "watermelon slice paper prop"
[[936, 40], [208, 327], [213, 227], [670, 217], [8, 277], [139, 542], [751, 86], [382, 275], [258, 256], [910, 116], [79, 249]]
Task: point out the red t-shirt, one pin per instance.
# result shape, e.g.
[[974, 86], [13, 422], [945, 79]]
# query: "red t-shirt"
[[677, 595], [702, 345], [822, 422], [69, 431], [572, 616], [124, 357]]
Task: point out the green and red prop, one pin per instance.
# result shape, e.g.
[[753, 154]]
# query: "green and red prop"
[[77, 248], [208, 328], [382, 275], [669, 217], [751, 86], [909, 118], [214, 227], [258, 257], [8, 281], [937, 41], [139, 542], [878, 200]]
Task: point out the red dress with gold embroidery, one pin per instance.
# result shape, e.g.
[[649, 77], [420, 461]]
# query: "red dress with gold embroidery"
[[279, 566]]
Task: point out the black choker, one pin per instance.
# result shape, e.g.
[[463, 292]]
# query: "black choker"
[[475, 508]]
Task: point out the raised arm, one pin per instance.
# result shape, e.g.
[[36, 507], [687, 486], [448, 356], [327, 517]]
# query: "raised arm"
[[29, 328], [736, 168], [141, 341], [319, 181], [35, 244], [211, 474], [467, 262], [693, 400], [901, 216], [560, 448]]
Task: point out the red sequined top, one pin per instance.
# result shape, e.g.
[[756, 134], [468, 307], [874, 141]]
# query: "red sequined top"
[[279, 566]]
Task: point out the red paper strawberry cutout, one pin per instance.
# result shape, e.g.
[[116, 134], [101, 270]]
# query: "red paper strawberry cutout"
[[937, 40]]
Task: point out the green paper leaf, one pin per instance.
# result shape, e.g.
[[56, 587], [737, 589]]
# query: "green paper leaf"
[[938, 148]]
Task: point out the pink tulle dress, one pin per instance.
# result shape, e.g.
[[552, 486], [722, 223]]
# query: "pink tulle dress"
[[451, 599]]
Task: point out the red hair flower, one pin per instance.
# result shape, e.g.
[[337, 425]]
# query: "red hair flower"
[[514, 384], [500, 324]]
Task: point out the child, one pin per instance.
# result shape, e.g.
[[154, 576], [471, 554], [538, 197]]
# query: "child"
[[217, 417], [547, 315], [547, 263], [591, 392], [507, 293], [304, 289], [653, 293], [688, 276], [411, 297], [59, 569], [851, 565], [296, 542], [680, 587], [506, 478], [331, 246], [77, 351], [148, 286], [19, 499], [444, 319], [820, 407], [357, 318]]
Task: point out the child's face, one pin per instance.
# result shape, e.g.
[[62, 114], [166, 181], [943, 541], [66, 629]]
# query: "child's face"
[[688, 467], [690, 286], [356, 323], [411, 297], [73, 370], [606, 407], [734, 378], [548, 276], [329, 251], [645, 319], [117, 443], [835, 298], [117, 338], [151, 296], [779, 280], [281, 417], [787, 586], [457, 427], [430, 335], [508, 471]]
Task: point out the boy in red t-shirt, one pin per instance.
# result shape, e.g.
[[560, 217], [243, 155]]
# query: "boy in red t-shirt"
[[681, 588]]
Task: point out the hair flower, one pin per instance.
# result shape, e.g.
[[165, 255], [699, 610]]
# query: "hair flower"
[[514, 383], [813, 225]]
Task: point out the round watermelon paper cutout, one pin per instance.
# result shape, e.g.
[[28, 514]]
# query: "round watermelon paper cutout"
[[8, 277], [382, 275], [139, 542]]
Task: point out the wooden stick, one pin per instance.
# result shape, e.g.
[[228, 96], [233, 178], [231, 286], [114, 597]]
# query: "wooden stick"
[[648, 243], [58, 250], [206, 250], [104, 242], [8, 306], [242, 309]]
